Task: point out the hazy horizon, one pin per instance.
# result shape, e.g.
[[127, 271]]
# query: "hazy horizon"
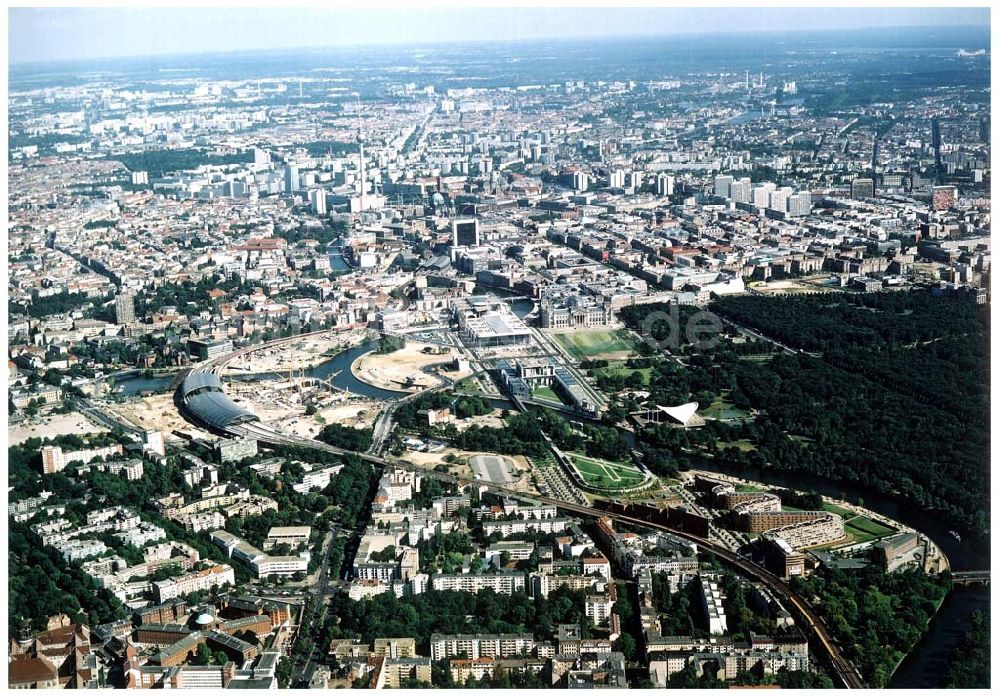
[[43, 35]]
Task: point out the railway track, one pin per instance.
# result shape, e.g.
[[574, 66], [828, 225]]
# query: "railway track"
[[842, 669]]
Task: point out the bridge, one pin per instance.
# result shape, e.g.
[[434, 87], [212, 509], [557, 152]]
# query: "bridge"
[[810, 620], [971, 578]]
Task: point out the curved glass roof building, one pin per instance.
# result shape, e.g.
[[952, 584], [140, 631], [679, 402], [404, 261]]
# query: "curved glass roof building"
[[203, 397]]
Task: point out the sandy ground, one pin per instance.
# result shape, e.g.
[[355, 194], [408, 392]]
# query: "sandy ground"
[[810, 284], [299, 354], [358, 414], [520, 472], [279, 404], [271, 401], [54, 425], [156, 411], [396, 370], [492, 420]]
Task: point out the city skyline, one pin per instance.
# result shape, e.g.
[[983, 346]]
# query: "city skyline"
[[639, 348], [40, 35]]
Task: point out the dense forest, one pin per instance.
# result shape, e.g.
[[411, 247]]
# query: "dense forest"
[[969, 666], [408, 416], [877, 618], [894, 398], [161, 162], [56, 304], [347, 437], [42, 584]]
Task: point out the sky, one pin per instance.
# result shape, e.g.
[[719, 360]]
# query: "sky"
[[56, 34]]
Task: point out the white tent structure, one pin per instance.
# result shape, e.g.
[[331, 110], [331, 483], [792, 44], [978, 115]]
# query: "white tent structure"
[[684, 415]]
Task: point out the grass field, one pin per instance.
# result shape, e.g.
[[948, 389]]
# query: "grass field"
[[619, 368], [864, 529], [842, 512], [589, 344], [723, 410], [546, 392], [602, 474]]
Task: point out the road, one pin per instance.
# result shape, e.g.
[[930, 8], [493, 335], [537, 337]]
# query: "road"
[[809, 619]]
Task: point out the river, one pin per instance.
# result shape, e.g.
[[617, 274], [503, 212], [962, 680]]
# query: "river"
[[963, 556], [336, 369], [927, 665]]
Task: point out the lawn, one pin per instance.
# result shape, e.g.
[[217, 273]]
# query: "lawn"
[[546, 392], [842, 512], [722, 410], [588, 344], [867, 526], [603, 474], [619, 368]]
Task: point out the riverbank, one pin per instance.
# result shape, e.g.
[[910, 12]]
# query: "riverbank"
[[404, 370], [296, 356], [926, 666]]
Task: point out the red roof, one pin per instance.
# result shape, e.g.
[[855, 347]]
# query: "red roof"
[[24, 669]]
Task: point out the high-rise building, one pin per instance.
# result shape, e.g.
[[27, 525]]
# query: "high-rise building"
[[125, 307], [800, 204], [465, 232], [722, 184], [152, 440], [739, 190], [317, 201], [761, 195], [580, 181], [936, 145], [664, 185], [616, 179], [291, 178], [863, 188], [778, 200]]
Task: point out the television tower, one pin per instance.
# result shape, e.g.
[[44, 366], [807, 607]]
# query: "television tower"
[[361, 150], [936, 144]]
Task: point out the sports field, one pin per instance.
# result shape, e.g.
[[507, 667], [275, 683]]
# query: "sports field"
[[588, 344], [602, 474]]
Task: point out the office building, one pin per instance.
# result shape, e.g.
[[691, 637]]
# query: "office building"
[[291, 178], [125, 307], [664, 185], [317, 201], [465, 232], [721, 185], [863, 188]]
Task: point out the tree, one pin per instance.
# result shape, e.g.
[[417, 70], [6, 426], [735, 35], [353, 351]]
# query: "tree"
[[203, 656], [627, 645]]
